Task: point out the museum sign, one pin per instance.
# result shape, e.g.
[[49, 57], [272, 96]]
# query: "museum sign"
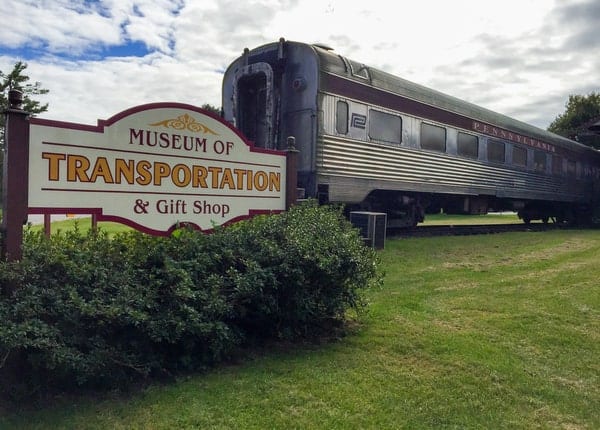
[[153, 167]]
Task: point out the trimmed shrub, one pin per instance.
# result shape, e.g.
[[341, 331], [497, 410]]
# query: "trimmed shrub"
[[99, 311], [297, 271]]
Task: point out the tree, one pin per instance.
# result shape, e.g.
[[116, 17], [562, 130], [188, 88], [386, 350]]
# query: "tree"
[[211, 108], [581, 112], [16, 80]]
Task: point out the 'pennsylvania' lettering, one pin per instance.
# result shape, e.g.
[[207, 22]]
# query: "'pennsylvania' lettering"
[[513, 137]]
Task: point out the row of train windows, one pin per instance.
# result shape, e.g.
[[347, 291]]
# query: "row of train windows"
[[388, 128]]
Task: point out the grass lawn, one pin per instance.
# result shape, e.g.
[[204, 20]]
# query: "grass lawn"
[[477, 332], [84, 224], [491, 218]]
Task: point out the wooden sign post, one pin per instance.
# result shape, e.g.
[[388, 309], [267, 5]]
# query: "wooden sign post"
[[14, 185]]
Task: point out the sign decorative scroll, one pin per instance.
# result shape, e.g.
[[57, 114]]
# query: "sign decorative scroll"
[[153, 167]]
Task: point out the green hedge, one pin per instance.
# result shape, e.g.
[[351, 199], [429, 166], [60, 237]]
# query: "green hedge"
[[98, 311]]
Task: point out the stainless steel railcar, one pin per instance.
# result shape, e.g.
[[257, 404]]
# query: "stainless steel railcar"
[[377, 142]]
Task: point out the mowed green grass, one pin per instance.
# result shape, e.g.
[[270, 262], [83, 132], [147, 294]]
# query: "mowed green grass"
[[84, 224], [490, 218], [475, 332]]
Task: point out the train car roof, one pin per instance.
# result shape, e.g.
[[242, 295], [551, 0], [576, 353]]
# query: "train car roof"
[[334, 63]]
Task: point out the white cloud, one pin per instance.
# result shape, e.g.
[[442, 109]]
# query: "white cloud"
[[90, 90], [72, 27], [518, 57], [152, 22], [56, 26]]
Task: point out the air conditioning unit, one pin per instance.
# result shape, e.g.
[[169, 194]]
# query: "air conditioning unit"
[[372, 226]]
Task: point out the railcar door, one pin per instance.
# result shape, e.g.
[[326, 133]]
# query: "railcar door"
[[253, 103]]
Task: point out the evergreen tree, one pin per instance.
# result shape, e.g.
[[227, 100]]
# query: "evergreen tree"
[[17, 80]]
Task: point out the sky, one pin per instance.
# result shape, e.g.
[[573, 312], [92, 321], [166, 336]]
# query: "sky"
[[521, 58]]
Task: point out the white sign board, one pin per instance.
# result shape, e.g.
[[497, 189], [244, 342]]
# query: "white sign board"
[[153, 167]]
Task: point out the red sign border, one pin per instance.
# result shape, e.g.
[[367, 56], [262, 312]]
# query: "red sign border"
[[99, 128]]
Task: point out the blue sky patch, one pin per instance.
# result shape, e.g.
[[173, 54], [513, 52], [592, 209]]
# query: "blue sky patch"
[[28, 53]]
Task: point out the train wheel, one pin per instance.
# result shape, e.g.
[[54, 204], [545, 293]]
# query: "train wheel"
[[527, 220]]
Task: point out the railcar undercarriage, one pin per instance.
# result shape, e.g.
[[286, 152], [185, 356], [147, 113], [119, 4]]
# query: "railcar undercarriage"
[[405, 210]]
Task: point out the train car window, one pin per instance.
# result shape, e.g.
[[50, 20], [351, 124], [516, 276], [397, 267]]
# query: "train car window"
[[468, 145], [385, 126], [557, 165], [496, 151], [571, 168], [433, 137], [519, 156], [539, 161], [341, 117]]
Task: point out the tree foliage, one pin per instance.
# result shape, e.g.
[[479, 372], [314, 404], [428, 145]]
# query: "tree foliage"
[[580, 111], [211, 108], [16, 79]]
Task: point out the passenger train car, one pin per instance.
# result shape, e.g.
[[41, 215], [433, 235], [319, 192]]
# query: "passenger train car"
[[376, 142]]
